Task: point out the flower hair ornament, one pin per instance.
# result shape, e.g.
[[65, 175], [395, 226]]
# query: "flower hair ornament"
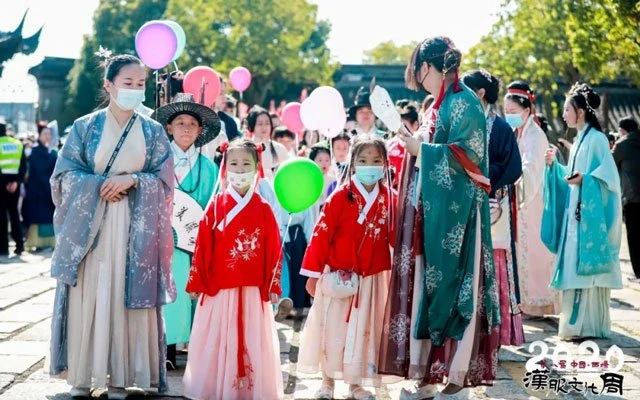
[[584, 91], [103, 52]]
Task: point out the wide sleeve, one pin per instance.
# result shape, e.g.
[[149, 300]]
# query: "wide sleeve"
[[554, 194], [75, 190], [465, 149], [451, 192], [272, 255], [317, 254], [601, 211], [202, 261], [151, 238], [505, 163], [533, 167]]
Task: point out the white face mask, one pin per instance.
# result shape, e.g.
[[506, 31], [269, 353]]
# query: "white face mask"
[[240, 181], [129, 99]]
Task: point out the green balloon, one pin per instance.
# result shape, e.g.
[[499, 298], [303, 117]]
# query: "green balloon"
[[298, 184]]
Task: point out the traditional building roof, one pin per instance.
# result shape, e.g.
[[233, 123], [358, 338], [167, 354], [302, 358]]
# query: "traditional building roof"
[[12, 43]]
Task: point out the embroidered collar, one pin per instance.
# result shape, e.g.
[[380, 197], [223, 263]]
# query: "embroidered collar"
[[369, 198], [180, 155], [241, 203]]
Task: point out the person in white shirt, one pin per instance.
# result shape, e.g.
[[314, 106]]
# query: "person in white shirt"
[[261, 127], [362, 113]]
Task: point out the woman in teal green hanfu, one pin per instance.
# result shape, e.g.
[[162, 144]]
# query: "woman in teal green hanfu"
[[191, 125], [458, 314], [582, 221]]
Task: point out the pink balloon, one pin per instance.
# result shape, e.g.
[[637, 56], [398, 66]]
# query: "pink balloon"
[[291, 117], [240, 78], [193, 84], [156, 44]]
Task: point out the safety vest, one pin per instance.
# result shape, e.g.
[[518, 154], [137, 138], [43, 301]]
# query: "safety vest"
[[10, 155]]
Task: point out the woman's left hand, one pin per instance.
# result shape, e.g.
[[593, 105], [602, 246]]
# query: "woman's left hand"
[[115, 186], [575, 181], [274, 298], [411, 143]]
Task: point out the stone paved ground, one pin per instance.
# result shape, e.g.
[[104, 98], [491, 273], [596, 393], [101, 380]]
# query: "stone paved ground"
[[26, 296]]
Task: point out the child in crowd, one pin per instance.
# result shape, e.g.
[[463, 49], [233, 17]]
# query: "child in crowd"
[[190, 126], [348, 263], [234, 351]]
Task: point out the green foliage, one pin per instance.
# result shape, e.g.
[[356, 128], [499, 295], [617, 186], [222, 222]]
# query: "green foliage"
[[551, 42], [389, 53], [280, 41], [115, 26]]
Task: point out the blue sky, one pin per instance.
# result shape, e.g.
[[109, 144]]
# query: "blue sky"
[[358, 25]]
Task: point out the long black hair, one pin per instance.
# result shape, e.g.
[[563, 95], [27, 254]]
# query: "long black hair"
[[252, 120], [482, 79]]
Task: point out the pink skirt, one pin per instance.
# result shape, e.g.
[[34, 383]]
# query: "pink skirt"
[[212, 365], [511, 330], [343, 340]]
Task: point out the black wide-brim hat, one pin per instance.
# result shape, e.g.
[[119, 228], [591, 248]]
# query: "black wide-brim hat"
[[183, 104], [362, 100]]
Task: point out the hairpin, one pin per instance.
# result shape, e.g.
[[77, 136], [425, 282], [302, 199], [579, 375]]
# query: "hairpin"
[[585, 94], [103, 53], [223, 147], [486, 74]]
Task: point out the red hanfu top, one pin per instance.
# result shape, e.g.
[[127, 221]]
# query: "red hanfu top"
[[238, 245], [353, 234]]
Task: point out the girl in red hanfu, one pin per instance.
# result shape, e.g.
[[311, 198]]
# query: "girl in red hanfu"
[[348, 263], [234, 351]]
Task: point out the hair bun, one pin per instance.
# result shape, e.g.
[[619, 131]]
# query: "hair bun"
[[593, 98]]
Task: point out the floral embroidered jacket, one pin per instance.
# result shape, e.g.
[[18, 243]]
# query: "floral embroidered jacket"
[[238, 245], [454, 191], [354, 232], [79, 214]]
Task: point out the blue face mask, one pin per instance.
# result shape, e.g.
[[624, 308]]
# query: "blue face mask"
[[369, 174], [515, 120]]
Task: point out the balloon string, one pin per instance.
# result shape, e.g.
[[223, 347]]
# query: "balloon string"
[[282, 253], [157, 89]]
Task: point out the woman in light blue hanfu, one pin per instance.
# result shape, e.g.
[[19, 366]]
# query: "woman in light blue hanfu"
[[113, 190], [582, 221]]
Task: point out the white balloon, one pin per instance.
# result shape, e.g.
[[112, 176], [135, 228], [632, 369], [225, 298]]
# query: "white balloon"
[[330, 95], [309, 113], [334, 123]]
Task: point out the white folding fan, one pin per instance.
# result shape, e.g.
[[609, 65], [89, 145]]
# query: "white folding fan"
[[384, 109], [185, 220]]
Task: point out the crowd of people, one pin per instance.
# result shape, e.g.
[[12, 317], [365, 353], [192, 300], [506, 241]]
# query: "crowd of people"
[[424, 253], [26, 164]]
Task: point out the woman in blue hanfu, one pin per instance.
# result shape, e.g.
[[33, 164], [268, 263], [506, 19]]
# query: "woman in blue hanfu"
[[113, 189], [582, 221]]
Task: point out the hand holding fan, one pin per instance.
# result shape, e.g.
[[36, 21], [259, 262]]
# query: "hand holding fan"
[[383, 108]]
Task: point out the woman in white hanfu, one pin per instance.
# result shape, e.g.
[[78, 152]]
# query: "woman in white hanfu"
[[113, 188], [535, 263]]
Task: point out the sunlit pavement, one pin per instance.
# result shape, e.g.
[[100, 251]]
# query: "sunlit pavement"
[[26, 296]]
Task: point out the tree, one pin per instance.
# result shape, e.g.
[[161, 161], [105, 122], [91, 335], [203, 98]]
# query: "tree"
[[280, 41], [389, 53], [115, 27], [552, 42]]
